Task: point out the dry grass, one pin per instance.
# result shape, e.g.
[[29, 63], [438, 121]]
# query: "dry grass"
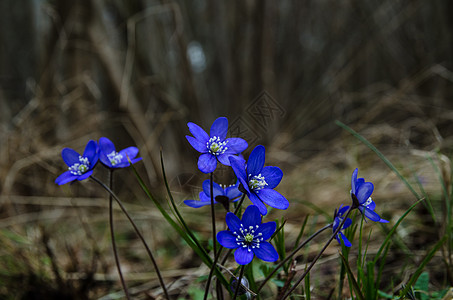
[[104, 68]]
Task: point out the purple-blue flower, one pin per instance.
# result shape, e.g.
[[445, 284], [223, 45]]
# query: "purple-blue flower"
[[258, 181], [248, 236], [214, 147], [223, 195], [80, 166], [112, 159], [338, 218], [361, 191]]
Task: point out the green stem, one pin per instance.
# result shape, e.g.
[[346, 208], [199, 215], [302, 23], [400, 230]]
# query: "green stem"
[[137, 231], [112, 237], [320, 253]]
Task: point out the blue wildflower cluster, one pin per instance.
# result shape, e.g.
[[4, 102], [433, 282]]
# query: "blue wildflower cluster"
[[81, 167], [247, 235], [255, 180]]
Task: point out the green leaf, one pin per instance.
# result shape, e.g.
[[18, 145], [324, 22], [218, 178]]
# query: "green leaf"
[[352, 279], [422, 285], [422, 265]]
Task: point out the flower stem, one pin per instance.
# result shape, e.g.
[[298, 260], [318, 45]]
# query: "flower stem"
[[319, 254], [291, 255], [137, 231], [239, 204], [112, 236], [239, 282], [211, 272], [214, 239]]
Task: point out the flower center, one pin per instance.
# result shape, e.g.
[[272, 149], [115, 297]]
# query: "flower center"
[[247, 238], [81, 167], [216, 146], [257, 182], [368, 202], [114, 158]]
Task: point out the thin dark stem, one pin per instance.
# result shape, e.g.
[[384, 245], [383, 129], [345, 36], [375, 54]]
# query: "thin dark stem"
[[320, 253], [291, 255], [239, 204], [211, 272], [217, 255], [238, 285], [112, 237], [214, 239], [137, 231]]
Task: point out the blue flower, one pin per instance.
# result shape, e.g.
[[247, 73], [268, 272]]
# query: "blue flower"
[[223, 195], [112, 159], [80, 166], [248, 236], [214, 147], [361, 197], [338, 218], [258, 181]]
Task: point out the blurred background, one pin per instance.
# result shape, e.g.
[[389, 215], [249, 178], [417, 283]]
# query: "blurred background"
[[138, 71]]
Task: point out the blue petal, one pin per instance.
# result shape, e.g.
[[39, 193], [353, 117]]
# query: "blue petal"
[[224, 159], [383, 221], [256, 161], [370, 214], [236, 145], [69, 156], [353, 180], [372, 205], [65, 178], [197, 145], [364, 191], [216, 188], [272, 175], [233, 222], [219, 128], [92, 152], [258, 203], [129, 152], [266, 252], [106, 146], [243, 256], [207, 163], [133, 161], [227, 239], [342, 210], [266, 229], [345, 240], [205, 198], [238, 165], [358, 183], [85, 175], [105, 160], [347, 223], [233, 192], [273, 198], [198, 132], [196, 204], [251, 217]]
